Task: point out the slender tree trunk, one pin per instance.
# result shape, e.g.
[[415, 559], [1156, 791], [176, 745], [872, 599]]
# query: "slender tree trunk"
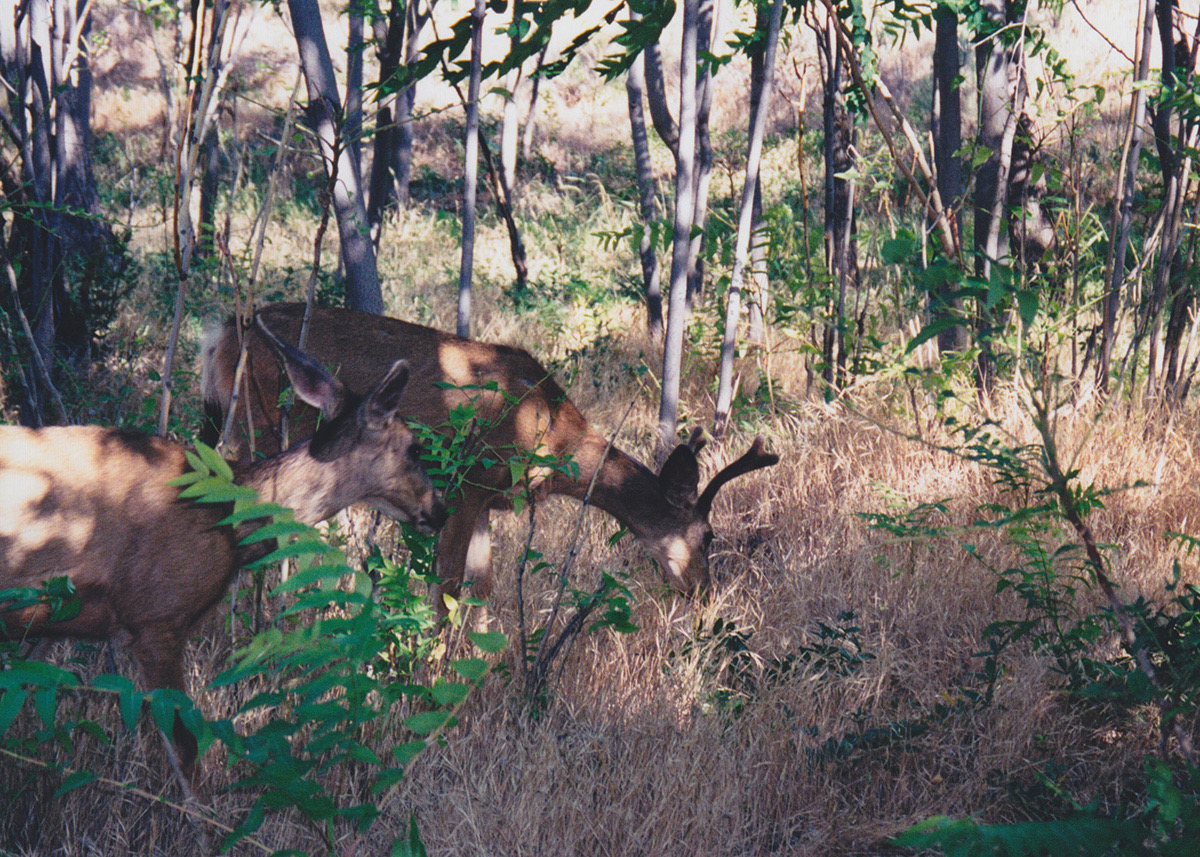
[[1001, 94], [209, 157], [358, 254], [1123, 217], [1166, 276], [756, 297], [841, 251], [354, 79], [685, 205], [648, 206], [470, 173], [750, 189], [708, 12], [656, 97], [946, 126], [389, 35], [509, 130], [531, 113], [417, 16]]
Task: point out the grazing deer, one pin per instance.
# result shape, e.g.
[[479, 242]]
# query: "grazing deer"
[[519, 406], [93, 504]]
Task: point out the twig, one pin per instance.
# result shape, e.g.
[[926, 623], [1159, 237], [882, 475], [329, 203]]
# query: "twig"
[[541, 660], [39, 365], [116, 785]]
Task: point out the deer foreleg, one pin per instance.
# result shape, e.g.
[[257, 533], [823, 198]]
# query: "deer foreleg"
[[465, 551]]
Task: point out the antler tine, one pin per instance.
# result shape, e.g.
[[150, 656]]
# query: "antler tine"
[[278, 343], [755, 458]]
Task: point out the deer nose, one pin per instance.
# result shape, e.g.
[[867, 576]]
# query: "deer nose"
[[433, 518]]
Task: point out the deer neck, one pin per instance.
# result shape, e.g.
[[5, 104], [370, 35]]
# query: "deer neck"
[[296, 480], [620, 485]]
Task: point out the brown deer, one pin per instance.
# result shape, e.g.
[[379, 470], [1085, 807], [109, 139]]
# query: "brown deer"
[[518, 406], [93, 504]]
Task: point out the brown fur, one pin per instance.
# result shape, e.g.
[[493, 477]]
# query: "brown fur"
[[664, 511], [93, 504]]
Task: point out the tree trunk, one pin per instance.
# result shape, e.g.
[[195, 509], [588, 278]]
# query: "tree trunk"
[[1167, 281], [354, 79], [647, 204], [358, 255], [470, 173], [1001, 93], [685, 205], [509, 130], [841, 250], [209, 157], [389, 34], [656, 97], [946, 127], [756, 298], [531, 113], [1123, 217], [417, 16], [750, 190], [708, 13]]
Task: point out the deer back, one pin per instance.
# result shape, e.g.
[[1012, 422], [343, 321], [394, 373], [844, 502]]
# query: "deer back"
[[93, 503], [516, 403]]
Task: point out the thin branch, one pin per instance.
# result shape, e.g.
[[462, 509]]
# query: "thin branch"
[[125, 788]]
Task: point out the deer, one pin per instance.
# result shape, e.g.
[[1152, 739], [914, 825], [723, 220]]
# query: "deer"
[[93, 504], [518, 406]]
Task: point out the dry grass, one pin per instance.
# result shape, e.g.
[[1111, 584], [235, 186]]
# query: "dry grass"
[[635, 754]]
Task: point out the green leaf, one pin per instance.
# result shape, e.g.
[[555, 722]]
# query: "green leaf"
[[449, 693], [1027, 305], [12, 700], [303, 547], [313, 574], [405, 753], [257, 510], [113, 683], [931, 330], [131, 708], [213, 489], [410, 846], [45, 701], [472, 669], [489, 641], [74, 781], [276, 530], [427, 721], [214, 461]]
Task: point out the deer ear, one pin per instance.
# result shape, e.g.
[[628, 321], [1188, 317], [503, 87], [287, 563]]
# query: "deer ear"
[[313, 384], [380, 407], [680, 477]]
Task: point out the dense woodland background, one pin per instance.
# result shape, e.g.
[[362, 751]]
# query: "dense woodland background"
[[948, 272]]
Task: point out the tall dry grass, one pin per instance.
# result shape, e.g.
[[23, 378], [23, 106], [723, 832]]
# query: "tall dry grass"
[[636, 754]]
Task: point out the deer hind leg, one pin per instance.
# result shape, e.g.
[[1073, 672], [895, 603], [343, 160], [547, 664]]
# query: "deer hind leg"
[[160, 656], [465, 551]]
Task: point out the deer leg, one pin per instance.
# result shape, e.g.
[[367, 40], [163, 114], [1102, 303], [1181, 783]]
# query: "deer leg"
[[465, 550], [160, 656]]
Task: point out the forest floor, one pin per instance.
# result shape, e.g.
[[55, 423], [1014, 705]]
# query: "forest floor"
[[814, 703]]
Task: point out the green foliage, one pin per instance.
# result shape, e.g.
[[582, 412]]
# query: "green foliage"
[[1061, 568], [1167, 824], [338, 676]]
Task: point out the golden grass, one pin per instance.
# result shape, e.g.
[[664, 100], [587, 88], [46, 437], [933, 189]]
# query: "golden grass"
[[634, 755]]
